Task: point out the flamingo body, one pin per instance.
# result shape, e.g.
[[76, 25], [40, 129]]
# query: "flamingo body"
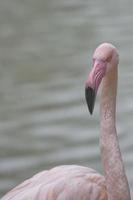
[[69, 182]]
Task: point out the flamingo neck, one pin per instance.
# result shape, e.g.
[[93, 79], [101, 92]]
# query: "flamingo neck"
[[116, 180]]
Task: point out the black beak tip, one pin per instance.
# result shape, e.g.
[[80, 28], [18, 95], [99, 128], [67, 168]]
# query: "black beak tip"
[[90, 95], [91, 111]]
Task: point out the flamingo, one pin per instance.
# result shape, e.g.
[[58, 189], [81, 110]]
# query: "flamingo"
[[72, 182]]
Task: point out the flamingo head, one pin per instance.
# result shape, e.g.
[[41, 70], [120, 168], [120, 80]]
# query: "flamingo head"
[[105, 58]]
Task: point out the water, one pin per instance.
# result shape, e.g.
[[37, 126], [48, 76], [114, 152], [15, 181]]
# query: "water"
[[45, 55]]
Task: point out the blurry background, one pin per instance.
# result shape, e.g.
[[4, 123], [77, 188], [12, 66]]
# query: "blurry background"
[[45, 55]]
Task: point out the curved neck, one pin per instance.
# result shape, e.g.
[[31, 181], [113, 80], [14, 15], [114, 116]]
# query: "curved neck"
[[116, 180]]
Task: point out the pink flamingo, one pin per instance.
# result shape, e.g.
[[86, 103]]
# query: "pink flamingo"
[[82, 183]]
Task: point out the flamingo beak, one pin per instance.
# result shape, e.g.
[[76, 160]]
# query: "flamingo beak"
[[93, 82]]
